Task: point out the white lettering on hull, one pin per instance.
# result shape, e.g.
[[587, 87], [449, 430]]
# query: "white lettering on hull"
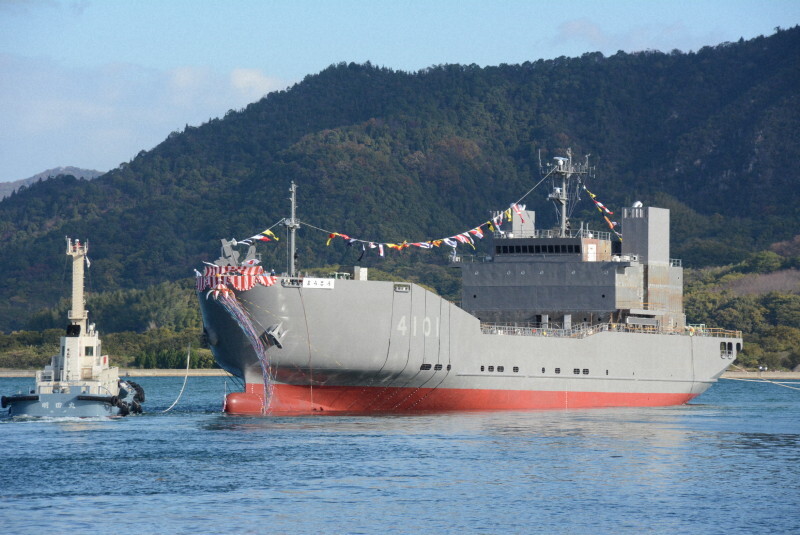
[[429, 326]]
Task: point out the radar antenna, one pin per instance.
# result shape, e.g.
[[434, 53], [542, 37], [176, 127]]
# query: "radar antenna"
[[568, 177]]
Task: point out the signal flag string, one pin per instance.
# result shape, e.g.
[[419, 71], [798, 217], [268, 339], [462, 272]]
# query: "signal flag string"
[[467, 237]]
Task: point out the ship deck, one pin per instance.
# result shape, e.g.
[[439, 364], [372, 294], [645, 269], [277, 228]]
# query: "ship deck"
[[584, 329]]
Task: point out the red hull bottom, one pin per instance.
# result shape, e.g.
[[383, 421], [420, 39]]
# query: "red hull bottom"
[[355, 399]]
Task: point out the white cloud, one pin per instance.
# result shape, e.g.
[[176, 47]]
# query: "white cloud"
[[252, 84], [582, 31], [583, 34], [98, 117]]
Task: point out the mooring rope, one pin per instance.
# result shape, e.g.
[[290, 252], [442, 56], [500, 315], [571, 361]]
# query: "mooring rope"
[[761, 380], [758, 380], [185, 378]]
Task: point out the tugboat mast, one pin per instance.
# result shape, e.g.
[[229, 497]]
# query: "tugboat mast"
[[77, 314]]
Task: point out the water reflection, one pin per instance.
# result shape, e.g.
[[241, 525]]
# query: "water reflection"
[[665, 470]]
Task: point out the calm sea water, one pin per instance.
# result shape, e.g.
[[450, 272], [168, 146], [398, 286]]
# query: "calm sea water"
[[727, 463]]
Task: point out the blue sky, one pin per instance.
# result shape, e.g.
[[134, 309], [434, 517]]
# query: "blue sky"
[[90, 83]]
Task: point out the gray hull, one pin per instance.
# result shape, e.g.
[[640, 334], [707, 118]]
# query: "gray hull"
[[373, 345]]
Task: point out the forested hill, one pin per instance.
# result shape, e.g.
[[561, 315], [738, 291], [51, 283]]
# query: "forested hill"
[[389, 156]]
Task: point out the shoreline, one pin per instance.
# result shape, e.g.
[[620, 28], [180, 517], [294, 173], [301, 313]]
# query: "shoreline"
[[761, 375], [216, 372]]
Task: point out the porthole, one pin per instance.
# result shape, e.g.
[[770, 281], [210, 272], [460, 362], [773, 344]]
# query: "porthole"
[[448, 367], [516, 369], [437, 367], [542, 370], [558, 370], [482, 368], [576, 371], [425, 367], [500, 368], [491, 368], [585, 371]]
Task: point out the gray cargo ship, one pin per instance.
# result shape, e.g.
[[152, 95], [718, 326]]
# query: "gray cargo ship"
[[552, 318]]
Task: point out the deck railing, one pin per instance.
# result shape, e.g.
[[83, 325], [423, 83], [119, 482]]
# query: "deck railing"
[[584, 329], [554, 233]]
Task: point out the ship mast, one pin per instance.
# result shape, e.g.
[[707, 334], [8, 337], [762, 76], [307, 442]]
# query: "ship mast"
[[560, 196], [292, 224]]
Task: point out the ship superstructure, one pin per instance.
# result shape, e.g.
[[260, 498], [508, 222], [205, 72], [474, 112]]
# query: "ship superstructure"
[[562, 277], [78, 382], [551, 318]]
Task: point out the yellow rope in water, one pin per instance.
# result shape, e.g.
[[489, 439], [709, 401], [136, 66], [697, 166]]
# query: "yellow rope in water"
[[760, 380]]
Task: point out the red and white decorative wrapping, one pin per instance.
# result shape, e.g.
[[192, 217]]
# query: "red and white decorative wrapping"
[[242, 278]]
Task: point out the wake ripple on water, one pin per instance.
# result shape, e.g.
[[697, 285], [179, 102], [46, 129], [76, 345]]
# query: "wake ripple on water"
[[727, 464]]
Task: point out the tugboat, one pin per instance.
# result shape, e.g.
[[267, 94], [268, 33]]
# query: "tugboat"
[[78, 382]]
